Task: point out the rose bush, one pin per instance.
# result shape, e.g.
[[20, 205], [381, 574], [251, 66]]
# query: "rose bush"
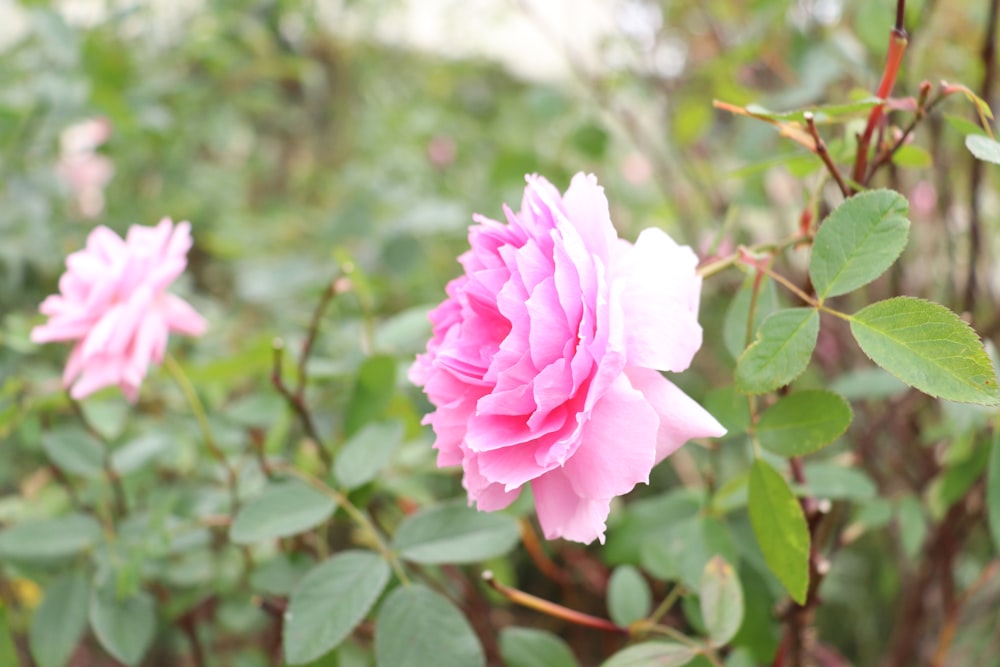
[[545, 358], [113, 303]]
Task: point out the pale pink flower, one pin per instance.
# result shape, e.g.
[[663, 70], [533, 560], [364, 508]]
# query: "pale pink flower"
[[113, 304], [544, 361], [86, 171]]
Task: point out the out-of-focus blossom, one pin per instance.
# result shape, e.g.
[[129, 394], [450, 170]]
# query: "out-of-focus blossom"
[[114, 306], [441, 151], [86, 171], [545, 358]]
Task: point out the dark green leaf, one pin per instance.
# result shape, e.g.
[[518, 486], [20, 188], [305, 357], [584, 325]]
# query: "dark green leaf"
[[49, 538], [780, 353], [734, 328], [124, 626], [60, 620], [417, 627], [329, 603], [780, 527], [721, 599], [836, 482], [928, 347], [282, 509], [373, 389], [527, 647], [858, 242], [684, 547], [652, 654], [629, 597], [455, 533], [803, 422]]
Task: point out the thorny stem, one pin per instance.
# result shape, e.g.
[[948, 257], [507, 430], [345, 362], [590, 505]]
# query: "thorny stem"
[[201, 416], [298, 404], [824, 155], [897, 47], [360, 518], [551, 608]]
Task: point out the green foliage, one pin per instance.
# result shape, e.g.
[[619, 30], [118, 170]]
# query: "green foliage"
[[928, 347], [124, 625], [59, 621], [281, 509], [652, 654], [993, 490], [527, 647], [721, 600], [329, 603], [803, 422], [455, 533], [629, 597], [858, 242], [984, 148], [780, 528], [417, 627], [48, 539], [780, 352]]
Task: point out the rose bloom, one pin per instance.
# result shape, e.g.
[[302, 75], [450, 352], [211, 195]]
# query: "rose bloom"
[[86, 171], [545, 358], [113, 304]]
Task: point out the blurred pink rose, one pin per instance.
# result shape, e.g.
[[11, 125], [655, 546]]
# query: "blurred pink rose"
[[113, 303], [544, 361], [86, 171]]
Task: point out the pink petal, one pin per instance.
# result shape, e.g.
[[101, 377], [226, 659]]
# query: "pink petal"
[[681, 417], [181, 317], [563, 513]]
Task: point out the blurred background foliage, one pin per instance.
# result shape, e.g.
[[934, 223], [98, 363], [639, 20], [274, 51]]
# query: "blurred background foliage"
[[304, 151]]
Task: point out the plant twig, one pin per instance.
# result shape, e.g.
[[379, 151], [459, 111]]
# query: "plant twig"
[[824, 154], [110, 474], [298, 404]]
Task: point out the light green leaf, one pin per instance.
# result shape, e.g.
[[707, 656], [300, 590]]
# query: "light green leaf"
[[282, 509], [983, 148], [60, 620], [75, 451], [912, 525], [8, 652], [928, 347], [417, 627], [683, 548], [781, 352], [329, 603], [124, 626], [803, 422], [993, 491], [455, 533], [528, 647], [49, 538], [780, 527], [629, 598], [858, 242], [373, 389], [367, 452], [721, 598], [912, 156], [652, 654]]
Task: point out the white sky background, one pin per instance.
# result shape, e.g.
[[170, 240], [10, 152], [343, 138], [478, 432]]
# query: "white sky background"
[[507, 31]]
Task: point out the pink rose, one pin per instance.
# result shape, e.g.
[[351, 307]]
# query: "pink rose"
[[86, 171], [113, 303], [544, 361]]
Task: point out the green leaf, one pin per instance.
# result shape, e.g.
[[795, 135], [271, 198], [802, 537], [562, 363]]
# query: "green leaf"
[[367, 452], [983, 148], [60, 620], [993, 491], [781, 352], [912, 156], [528, 647], [417, 627], [721, 599], [684, 547], [8, 652], [50, 538], [282, 509], [928, 347], [912, 525], [629, 597], [803, 422], [734, 328], [75, 451], [329, 603], [652, 654], [858, 242], [455, 533], [373, 389], [836, 482], [124, 626], [780, 527]]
